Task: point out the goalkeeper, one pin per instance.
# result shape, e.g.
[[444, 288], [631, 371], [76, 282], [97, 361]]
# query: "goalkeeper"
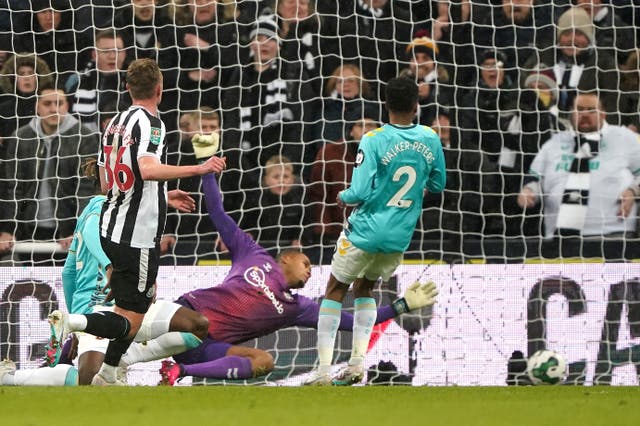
[[253, 300]]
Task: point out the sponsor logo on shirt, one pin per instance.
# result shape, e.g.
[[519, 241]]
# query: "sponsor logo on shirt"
[[155, 136], [256, 277]]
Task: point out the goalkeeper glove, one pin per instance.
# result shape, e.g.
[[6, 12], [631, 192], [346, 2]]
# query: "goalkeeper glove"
[[417, 296], [204, 146]]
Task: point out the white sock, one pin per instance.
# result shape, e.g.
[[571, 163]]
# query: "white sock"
[[77, 322], [164, 346], [328, 322], [60, 375], [108, 372], [364, 318]]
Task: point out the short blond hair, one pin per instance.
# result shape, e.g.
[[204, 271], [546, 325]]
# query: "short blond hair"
[[143, 75]]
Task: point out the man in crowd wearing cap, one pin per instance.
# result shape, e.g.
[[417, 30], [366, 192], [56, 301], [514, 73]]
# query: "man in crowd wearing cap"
[[578, 63], [587, 180], [435, 89], [264, 107]]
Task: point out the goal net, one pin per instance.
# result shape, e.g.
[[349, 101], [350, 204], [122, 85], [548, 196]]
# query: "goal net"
[[291, 86]]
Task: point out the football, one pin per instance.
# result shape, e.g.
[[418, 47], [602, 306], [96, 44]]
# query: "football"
[[546, 367]]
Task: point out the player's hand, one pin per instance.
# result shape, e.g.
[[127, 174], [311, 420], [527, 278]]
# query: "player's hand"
[[181, 201], [527, 198], [166, 242], [6, 242], [192, 40], [627, 200], [213, 165], [341, 203], [205, 146], [417, 296]]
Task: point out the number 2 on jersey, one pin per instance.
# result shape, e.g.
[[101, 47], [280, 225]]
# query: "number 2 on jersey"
[[121, 173], [396, 200]]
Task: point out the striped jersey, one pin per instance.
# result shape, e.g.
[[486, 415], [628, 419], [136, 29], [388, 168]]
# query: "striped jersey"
[[393, 167], [84, 273], [135, 211]]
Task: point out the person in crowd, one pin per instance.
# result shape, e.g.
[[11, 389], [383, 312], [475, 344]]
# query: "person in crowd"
[[102, 81], [330, 173], [433, 80], [579, 63], [518, 28], [612, 33], [50, 35], [347, 100], [191, 226], [275, 214], [267, 110], [480, 119], [20, 77], [44, 192], [586, 179], [148, 31], [371, 34]]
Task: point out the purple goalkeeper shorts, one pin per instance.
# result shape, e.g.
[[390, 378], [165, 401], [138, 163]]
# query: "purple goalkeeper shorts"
[[209, 349]]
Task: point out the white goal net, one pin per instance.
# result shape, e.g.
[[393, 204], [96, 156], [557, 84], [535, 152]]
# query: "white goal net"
[[291, 86]]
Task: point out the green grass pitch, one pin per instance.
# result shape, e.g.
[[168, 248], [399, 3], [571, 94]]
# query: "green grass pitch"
[[282, 406]]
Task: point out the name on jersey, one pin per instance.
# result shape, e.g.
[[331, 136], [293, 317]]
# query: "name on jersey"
[[418, 147], [118, 129], [257, 278]]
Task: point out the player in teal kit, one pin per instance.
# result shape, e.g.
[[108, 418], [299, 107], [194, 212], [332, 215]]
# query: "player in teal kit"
[[394, 165]]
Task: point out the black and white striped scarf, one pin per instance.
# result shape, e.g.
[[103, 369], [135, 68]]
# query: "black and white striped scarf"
[[575, 200]]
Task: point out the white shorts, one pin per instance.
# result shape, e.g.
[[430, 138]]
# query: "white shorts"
[[90, 343], [157, 320], [349, 263]]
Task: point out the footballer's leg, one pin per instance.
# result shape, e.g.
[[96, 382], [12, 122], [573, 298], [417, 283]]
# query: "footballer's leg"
[[346, 265], [60, 375], [217, 360], [167, 329], [364, 317]]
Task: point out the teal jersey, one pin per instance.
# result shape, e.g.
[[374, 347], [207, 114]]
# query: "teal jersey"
[[393, 167], [84, 272]]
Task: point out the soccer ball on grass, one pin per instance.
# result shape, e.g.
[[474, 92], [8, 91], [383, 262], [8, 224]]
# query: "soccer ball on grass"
[[546, 367]]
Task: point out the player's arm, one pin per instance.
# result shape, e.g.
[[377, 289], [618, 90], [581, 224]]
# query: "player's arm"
[[417, 296], [364, 173], [438, 176], [236, 240], [629, 196], [531, 191], [69, 276], [91, 239], [152, 169]]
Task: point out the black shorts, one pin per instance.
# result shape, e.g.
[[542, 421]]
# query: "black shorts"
[[134, 274]]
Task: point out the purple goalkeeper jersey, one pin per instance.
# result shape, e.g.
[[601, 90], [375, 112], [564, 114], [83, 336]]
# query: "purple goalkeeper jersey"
[[254, 299]]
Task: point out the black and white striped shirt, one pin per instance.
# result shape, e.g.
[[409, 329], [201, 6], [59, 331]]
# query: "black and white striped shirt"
[[135, 211]]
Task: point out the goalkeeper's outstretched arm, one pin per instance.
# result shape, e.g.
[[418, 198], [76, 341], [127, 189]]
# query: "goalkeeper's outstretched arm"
[[418, 295], [234, 238]]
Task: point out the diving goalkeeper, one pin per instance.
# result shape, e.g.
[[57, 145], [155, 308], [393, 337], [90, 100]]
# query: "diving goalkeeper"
[[254, 299]]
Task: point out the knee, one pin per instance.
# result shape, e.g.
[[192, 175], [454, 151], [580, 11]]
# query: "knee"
[[200, 326]]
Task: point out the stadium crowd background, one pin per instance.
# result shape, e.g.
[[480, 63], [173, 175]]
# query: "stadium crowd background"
[[292, 85]]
